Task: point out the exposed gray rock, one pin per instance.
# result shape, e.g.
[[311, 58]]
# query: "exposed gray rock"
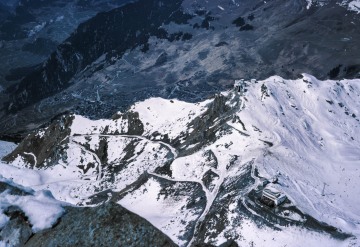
[[216, 115], [43, 146], [12, 190], [105, 225], [17, 231]]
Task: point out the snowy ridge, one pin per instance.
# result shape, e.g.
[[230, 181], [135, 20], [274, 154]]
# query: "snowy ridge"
[[83, 126], [352, 5], [303, 131], [178, 115]]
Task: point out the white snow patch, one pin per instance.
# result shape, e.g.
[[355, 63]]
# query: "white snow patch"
[[85, 126], [355, 6], [165, 213], [169, 117], [37, 29], [59, 18], [41, 208], [309, 3]]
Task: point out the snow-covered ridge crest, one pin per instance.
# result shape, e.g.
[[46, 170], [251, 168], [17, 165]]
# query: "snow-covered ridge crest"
[[352, 5], [197, 166]]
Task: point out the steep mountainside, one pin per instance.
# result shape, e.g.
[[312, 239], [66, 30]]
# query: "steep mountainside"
[[183, 49], [196, 170], [30, 30]]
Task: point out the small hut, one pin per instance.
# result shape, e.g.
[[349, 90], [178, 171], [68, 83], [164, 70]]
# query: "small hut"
[[239, 86], [272, 196]]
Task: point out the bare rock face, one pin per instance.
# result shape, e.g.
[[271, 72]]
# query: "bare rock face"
[[40, 146], [106, 225], [136, 127], [18, 230], [216, 115]]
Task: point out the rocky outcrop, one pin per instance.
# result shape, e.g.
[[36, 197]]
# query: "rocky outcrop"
[[18, 230], [135, 127], [105, 225], [43, 145], [205, 126]]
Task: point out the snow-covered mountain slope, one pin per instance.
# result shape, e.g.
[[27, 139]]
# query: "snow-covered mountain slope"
[[352, 5], [194, 170], [314, 128]]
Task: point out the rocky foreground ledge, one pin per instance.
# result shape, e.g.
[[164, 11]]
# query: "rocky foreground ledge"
[[31, 218]]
